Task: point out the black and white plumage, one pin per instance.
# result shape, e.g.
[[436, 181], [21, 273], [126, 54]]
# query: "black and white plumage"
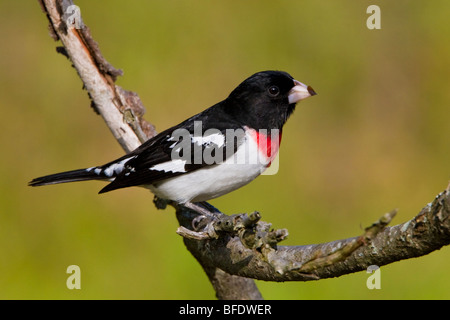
[[228, 137]]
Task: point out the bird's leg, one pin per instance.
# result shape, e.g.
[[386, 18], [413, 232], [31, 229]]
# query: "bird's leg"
[[200, 209], [204, 214]]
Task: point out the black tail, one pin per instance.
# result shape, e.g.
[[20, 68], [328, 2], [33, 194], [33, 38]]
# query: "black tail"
[[68, 176]]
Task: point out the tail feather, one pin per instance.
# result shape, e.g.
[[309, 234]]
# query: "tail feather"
[[68, 176]]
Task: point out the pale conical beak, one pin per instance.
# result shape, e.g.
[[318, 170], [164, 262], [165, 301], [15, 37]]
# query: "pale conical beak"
[[299, 92]]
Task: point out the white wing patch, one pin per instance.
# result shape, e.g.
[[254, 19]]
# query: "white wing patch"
[[206, 140], [176, 165]]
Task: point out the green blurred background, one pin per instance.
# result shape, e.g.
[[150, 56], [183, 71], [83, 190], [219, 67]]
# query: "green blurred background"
[[375, 138]]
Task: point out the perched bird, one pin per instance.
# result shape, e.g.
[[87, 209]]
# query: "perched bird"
[[210, 154]]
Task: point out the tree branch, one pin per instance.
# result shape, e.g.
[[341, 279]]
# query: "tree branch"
[[121, 110], [233, 249], [426, 232]]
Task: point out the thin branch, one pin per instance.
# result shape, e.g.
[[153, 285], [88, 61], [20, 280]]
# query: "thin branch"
[[322, 260], [121, 110]]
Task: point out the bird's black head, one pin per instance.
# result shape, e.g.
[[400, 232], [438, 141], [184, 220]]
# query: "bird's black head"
[[266, 99]]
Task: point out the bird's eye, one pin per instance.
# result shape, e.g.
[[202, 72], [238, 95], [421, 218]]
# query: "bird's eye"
[[274, 91]]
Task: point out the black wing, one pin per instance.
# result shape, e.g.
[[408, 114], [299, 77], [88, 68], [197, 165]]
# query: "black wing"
[[193, 144]]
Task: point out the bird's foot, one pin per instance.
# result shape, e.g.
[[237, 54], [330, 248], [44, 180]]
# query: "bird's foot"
[[206, 218]]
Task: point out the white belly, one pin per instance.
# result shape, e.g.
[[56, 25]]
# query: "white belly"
[[216, 180]]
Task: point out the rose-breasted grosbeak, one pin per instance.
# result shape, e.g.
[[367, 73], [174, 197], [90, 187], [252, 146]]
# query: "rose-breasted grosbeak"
[[210, 154]]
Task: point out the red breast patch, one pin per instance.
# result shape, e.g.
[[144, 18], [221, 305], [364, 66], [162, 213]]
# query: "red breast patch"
[[268, 144]]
